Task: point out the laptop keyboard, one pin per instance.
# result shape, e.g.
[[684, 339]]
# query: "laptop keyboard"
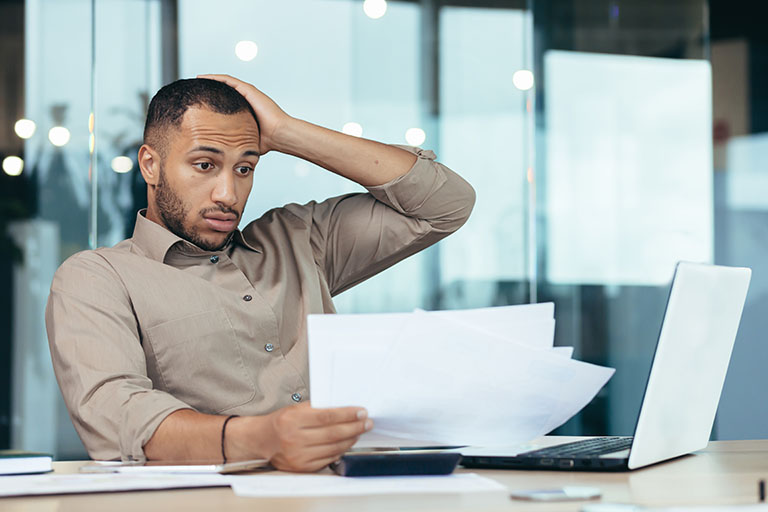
[[585, 448]]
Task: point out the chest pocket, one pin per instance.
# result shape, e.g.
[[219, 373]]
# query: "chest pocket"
[[200, 361]]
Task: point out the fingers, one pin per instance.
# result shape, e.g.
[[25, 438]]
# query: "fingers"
[[313, 458], [324, 417], [236, 84], [292, 465], [308, 439], [328, 450], [227, 79], [338, 433]]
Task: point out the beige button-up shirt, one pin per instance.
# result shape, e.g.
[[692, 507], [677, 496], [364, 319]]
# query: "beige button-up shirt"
[[156, 324]]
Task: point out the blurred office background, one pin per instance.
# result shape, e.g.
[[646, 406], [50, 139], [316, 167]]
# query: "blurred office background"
[[606, 139]]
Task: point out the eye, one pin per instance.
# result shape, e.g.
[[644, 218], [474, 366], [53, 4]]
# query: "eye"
[[203, 166], [243, 170]]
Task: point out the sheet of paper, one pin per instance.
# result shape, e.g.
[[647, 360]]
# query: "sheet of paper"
[[436, 382], [755, 507], [32, 485], [346, 346], [530, 324], [563, 351], [327, 485], [365, 338]]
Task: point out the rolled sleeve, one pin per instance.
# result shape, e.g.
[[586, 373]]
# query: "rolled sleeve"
[[429, 191], [99, 361]]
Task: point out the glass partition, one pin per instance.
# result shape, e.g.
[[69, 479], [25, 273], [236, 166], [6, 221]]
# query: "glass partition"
[[624, 154], [583, 126], [424, 74], [58, 73]]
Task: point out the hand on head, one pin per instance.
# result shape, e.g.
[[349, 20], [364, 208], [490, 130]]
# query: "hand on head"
[[271, 117]]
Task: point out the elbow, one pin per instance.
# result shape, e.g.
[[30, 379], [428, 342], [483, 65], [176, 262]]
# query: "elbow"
[[459, 208], [471, 199]]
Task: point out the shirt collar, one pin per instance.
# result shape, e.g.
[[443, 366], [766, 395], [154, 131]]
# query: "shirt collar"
[[156, 241]]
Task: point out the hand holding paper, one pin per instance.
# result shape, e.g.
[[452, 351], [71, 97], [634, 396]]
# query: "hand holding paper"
[[481, 377]]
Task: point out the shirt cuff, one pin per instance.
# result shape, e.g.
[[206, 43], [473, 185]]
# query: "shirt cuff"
[[141, 416], [407, 193]]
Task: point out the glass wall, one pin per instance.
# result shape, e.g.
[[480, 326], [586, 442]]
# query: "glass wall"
[[739, 56], [585, 128], [624, 154]]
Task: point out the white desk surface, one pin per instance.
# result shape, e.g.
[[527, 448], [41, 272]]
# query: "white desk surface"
[[726, 472]]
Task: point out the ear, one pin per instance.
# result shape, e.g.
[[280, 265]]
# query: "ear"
[[149, 164]]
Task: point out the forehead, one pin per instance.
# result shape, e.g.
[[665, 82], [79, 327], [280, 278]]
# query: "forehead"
[[201, 125]]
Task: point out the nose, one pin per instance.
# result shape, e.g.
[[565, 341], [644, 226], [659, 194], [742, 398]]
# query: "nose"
[[224, 189]]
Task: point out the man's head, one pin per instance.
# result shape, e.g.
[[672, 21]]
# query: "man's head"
[[201, 143]]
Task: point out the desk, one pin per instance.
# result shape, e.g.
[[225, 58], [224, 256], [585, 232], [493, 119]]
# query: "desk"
[[726, 472]]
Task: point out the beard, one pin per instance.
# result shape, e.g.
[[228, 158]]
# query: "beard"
[[173, 211]]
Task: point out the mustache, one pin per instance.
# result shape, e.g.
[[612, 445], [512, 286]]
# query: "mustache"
[[220, 209]]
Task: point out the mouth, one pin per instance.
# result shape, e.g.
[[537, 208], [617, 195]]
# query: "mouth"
[[223, 222]]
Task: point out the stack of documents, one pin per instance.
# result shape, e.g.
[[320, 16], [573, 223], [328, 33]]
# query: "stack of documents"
[[482, 377]]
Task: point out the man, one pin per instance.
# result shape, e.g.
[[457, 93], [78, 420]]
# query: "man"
[[188, 340]]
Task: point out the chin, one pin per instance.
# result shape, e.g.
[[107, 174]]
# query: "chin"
[[216, 242]]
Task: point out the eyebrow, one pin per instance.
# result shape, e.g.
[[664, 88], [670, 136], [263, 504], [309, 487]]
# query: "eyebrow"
[[210, 149]]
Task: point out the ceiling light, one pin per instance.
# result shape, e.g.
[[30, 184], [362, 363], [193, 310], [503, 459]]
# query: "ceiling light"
[[246, 50], [13, 165], [122, 164], [415, 136], [59, 136], [25, 128], [375, 9]]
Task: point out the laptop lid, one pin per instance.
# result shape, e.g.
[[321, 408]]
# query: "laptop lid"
[[691, 359]]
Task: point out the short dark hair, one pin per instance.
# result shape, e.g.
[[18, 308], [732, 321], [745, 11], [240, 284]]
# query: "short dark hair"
[[169, 104]]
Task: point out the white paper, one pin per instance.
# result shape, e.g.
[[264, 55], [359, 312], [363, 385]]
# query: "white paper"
[[431, 379], [563, 351], [529, 324], [758, 507], [327, 485], [364, 338], [534, 333], [32, 485]]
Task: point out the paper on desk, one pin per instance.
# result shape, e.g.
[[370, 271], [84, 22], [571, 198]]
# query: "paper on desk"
[[35, 485], [752, 507], [444, 382], [330, 485], [613, 507]]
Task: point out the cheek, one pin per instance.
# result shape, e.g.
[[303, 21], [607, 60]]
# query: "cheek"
[[194, 195], [244, 191]]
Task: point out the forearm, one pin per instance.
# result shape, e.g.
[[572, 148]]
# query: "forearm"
[[363, 161], [188, 435], [294, 438]]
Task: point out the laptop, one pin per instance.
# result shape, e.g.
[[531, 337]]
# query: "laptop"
[[683, 389]]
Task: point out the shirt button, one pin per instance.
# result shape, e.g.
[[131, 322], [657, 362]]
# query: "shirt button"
[[296, 397], [269, 347], [247, 298], [214, 259]]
